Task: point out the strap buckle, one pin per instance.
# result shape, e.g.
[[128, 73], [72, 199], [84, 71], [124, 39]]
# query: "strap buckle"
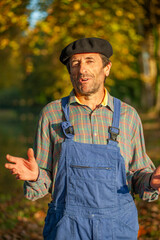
[[69, 130], [114, 132]]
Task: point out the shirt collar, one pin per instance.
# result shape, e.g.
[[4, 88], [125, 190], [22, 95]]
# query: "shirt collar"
[[107, 101]]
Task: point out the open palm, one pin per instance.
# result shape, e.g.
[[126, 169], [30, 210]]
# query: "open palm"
[[24, 169]]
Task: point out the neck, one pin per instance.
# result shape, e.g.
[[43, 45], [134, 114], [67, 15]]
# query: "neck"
[[92, 100]]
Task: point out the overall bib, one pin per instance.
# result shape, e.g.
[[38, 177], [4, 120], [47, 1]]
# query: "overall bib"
[[91, 199]]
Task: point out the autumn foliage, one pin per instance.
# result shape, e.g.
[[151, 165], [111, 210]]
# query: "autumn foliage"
[[30, 64]]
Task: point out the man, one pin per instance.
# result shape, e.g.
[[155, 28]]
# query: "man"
[[89, 154]]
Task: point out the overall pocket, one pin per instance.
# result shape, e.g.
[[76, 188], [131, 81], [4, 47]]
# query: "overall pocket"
[[91, 172], [91, 186]]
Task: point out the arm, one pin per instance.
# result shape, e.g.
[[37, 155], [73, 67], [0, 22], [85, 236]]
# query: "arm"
[[34, 190], [28, 170], [142, 167], [43, 147], [36, 171]]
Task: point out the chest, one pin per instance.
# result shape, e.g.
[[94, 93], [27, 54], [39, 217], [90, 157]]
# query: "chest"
[[92, 127]]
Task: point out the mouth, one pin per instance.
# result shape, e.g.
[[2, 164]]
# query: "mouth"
[[84, 79]]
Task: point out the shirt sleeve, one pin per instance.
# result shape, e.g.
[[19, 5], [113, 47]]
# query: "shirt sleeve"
[[141, 167], [43, 154]]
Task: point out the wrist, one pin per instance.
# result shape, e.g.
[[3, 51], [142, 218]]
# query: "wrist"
[[36, 176]]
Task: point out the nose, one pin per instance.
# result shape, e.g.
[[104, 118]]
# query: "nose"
[[82, 67]]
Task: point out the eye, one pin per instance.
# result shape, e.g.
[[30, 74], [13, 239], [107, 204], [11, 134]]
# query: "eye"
[[75, 64], [90, 61]]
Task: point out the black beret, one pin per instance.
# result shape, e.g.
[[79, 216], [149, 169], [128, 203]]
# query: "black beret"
[[86, 45]]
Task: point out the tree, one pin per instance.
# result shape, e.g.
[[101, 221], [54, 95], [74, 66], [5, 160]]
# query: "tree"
[[14, 22], [68, 20], [36, 50], [150, 29]]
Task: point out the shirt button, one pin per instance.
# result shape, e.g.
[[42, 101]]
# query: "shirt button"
[[95, 134]]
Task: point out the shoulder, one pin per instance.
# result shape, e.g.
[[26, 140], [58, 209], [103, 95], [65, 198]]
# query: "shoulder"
[[130, 115], [52, 106], [51, 111], [128, 109], [130, 122]]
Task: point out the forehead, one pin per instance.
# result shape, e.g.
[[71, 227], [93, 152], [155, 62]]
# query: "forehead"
[[85, 56]]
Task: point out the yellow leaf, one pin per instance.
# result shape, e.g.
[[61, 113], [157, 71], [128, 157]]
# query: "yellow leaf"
[[14, 45], [10, 14], [131, 16], [119, 13], [4, 43], [36, 51], [76, 6]]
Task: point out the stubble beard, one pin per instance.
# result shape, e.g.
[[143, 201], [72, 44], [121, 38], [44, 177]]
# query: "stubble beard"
[[80, 88]]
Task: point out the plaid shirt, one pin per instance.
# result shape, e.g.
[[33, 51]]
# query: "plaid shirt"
[[90, 127]]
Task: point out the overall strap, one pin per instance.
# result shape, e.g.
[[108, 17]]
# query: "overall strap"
[[114, 129], [65, 107], [66, 125]]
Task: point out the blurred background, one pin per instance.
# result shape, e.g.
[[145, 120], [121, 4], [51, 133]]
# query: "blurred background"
[[32, 35]]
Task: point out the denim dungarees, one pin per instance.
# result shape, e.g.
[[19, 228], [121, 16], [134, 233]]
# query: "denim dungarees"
[[91, 199]]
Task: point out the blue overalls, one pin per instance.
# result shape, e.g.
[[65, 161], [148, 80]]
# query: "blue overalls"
[[91, 199]]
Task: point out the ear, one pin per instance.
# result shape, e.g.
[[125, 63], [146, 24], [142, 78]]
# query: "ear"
[[107, 69]]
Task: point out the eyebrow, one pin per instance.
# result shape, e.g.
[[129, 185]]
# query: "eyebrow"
[[89, 58]]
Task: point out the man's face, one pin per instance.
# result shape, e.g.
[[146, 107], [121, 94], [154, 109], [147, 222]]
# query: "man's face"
[[87, 73]]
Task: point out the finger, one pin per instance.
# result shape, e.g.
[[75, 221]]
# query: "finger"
[[30, 154], [11, 158], [14, 171], [17, 177], [9, 166]]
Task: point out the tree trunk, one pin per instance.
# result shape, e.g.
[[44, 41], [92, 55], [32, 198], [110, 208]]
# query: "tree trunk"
[[157, 55]]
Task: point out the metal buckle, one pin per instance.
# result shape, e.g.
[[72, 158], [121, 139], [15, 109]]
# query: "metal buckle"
[[113, 134], [70, 130]]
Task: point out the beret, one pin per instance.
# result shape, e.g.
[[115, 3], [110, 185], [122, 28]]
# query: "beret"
[[86, 45]]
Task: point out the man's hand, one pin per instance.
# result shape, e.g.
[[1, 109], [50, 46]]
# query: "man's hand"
[[155, 179], [23, 169]]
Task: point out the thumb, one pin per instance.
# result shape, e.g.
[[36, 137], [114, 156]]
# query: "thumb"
[[30, 154]]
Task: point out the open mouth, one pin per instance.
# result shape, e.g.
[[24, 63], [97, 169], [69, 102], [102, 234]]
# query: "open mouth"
[[83, 79]]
